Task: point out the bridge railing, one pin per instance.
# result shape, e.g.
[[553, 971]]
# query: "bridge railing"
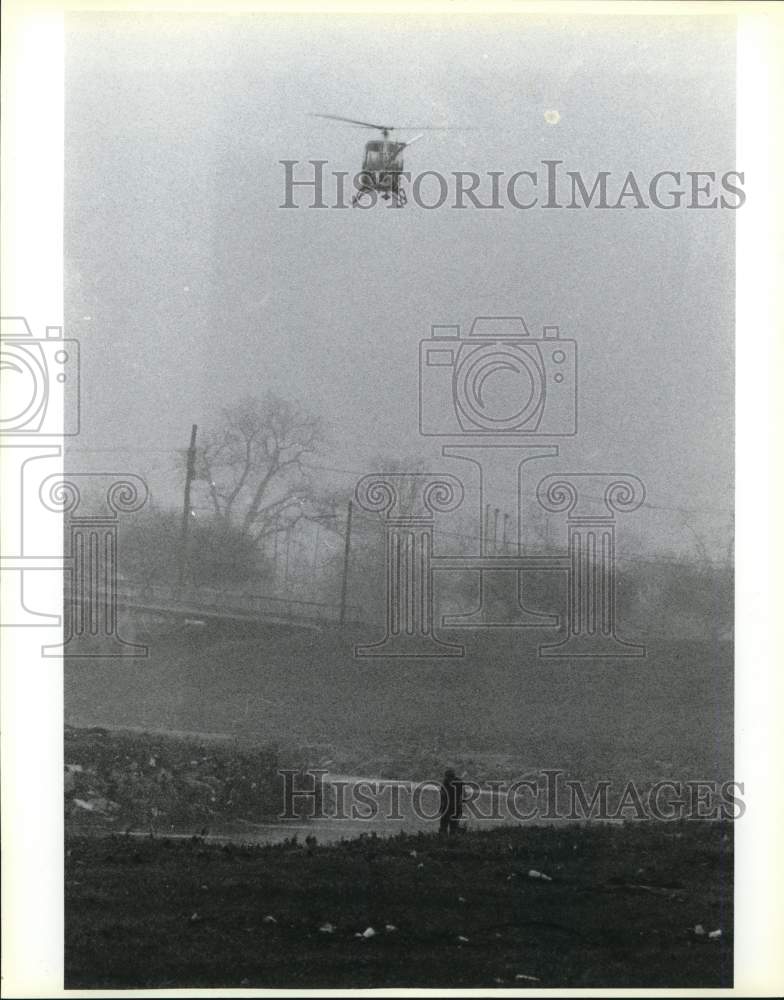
[[217, 599]]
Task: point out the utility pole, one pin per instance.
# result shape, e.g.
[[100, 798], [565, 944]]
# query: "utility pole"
[[315, 547], [495, 530], [190, 475], [506, 541], [346, 554], [288, 547], [275, 551]]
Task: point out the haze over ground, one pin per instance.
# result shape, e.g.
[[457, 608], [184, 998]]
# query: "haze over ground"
[[189, 286]]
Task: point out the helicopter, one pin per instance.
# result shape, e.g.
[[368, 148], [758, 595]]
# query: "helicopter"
[[382, 164]]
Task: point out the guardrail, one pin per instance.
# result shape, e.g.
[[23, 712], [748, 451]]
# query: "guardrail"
[[214, 599]]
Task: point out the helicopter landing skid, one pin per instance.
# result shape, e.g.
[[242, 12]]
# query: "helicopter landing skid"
[[364, 198], [360, 196]]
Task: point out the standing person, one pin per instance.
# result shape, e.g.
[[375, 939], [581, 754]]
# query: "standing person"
[[451, 806]]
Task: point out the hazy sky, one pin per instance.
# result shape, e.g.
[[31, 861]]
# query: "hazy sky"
[[189, 287]]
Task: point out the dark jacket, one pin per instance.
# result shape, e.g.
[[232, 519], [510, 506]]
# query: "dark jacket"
[[451, 798]]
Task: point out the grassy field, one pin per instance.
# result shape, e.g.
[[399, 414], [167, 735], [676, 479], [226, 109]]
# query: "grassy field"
[[621, 910], [498, 712]]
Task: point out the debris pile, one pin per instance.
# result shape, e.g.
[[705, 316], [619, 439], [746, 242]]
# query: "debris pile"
[[163, 781]]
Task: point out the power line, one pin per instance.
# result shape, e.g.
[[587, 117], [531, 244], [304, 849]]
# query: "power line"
[[530, 494], [363, 472], [376, 520]]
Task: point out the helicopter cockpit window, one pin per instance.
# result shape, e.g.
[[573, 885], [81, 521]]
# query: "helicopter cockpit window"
[[374, 154]]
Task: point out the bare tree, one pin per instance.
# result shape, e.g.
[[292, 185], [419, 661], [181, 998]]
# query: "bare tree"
[[328, 509], [252, 465]]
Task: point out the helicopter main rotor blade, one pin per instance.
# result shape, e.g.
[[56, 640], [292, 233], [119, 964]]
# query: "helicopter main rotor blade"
[[437, 128], [353, 121], [409, 141], [398, 128]]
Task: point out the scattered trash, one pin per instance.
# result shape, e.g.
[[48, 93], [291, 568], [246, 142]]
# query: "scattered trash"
[[204, 887], [715, 934], [389, 928], [327, 928], [412, 854], [699, 930], [96, 805], [656, 890], [420, 865], [269, 920], [244, 982], [195, 918], [368, 933], [496, 979], [461, 939], [530, 979], [510, 877], [461, 899], [533, 873]]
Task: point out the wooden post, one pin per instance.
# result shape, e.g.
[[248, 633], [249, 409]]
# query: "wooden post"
[[346, 556], [190, 473]]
